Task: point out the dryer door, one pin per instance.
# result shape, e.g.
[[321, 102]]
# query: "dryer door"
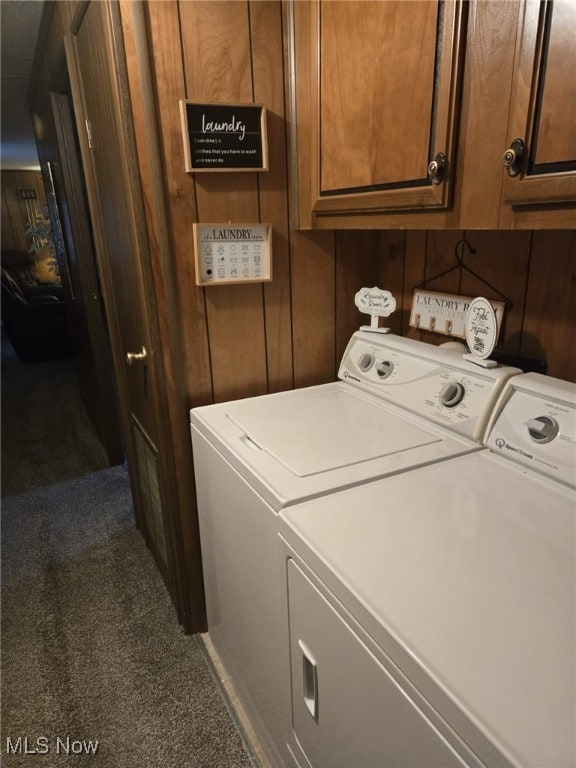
[[347, 709]]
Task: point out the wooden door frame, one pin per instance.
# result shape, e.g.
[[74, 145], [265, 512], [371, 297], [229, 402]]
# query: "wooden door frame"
[[74, 192], [132, 19], [57, 150], [183, 575]]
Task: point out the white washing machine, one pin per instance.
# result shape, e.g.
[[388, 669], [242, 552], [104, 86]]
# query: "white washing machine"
[[432, 616], [399, 404]]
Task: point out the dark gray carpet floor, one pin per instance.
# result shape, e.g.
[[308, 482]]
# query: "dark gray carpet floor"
[[46, 433], [91, 650]]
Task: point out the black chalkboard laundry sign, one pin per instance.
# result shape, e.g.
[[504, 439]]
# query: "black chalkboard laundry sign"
[[224, 137]]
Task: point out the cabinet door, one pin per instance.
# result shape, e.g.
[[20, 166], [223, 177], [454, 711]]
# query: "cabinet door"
[[543, 105], [376, 91], [347, 709]]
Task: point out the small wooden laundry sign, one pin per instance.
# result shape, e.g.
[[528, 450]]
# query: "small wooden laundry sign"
[[445, 313], [232, 253]]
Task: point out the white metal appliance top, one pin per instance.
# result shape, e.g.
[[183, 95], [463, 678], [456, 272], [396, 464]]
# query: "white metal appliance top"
[[400, 404], [464, 572], [327, 430]]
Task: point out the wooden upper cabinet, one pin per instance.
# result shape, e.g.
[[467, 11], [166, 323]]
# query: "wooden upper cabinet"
[[376, 90], [380, 89], [543, 106]]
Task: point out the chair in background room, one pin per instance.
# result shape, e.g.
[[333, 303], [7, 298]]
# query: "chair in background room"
[[34, 314]]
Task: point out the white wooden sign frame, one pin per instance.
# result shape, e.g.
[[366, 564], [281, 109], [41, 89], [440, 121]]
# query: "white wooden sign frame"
[[225, 254], [445, 313]]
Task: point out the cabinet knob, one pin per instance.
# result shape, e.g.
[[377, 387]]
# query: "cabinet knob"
[[133, 357], [436, 168], [514, 156]]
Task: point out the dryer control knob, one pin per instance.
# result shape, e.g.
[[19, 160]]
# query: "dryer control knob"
[[366, 361], [384, 369], [543, 429], [452, 393]]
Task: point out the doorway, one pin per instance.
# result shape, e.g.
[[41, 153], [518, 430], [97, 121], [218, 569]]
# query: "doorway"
[[83, 86]]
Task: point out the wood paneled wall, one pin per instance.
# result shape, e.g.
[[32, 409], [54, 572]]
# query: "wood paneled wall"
[[246, 340], [243, 340], [15, 213]]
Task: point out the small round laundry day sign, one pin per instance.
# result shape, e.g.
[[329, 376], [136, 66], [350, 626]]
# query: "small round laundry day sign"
[[481, 328]]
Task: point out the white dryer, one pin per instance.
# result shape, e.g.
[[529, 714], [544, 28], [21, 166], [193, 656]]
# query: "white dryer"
[[432, 615], [399, 404]]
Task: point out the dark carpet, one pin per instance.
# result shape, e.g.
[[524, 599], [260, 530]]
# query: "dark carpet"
[[46, 433], [91, 650]]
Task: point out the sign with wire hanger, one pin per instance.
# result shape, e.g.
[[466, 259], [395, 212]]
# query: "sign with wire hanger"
[[446, 313]]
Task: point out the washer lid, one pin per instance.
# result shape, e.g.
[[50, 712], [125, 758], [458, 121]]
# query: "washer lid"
[[327, 430], [302, 443]]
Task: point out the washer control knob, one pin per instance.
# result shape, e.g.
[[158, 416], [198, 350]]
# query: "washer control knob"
[[543, 429], [366, 361], [452, 393], [384, 368]]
